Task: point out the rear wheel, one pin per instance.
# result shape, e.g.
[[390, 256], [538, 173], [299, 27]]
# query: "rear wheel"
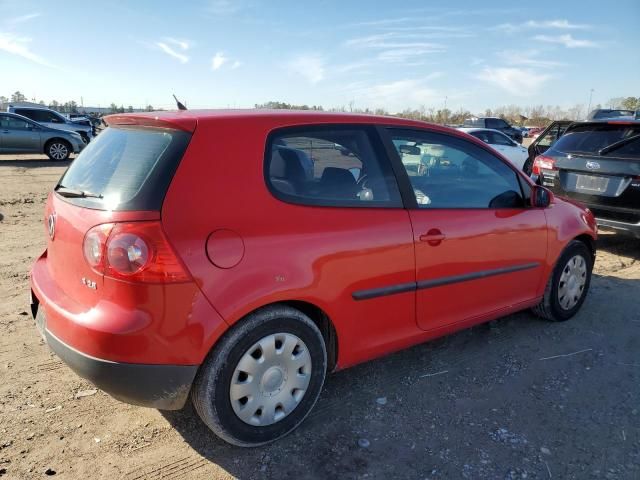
[[58, 150], [567, 287], [263, 378]]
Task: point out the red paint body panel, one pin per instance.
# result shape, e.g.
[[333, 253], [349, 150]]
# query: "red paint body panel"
[[478, 240], [287, 252]]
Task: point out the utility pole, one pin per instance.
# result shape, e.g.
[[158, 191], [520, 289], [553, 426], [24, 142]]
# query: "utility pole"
[[590, 97]]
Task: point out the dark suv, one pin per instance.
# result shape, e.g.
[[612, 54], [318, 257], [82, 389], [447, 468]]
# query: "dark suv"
[[495, 123], [598, 164]]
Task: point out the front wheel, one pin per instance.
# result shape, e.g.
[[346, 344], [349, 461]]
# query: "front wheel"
[[58, 150], [568, 285], [263, 378]]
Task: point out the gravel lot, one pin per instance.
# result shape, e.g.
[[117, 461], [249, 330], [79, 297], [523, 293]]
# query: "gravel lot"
[[517, 398]]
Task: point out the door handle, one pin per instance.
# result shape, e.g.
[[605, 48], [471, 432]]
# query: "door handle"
[[433, 237]]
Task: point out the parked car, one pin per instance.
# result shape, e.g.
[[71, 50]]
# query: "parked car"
[[598, 164], [51, 118], [605, 113], [543, 140], [535, 131], [19, 134], [245, 305], [513, 151], [494, 123]]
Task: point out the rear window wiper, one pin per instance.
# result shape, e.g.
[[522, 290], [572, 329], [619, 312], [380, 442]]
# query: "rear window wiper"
[[72, 193], [617, 145]]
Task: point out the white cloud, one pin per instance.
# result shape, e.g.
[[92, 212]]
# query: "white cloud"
[[397, 95], [516, 81], [527, 58], [311, 67], [396, 47], [20, 46], [567, 40], [218, 60], [183, 44], [224, 7], [544, 24], [236, 64], [172, 53], [23, 18]]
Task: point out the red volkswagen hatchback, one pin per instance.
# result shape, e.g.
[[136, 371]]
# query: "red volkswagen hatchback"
[[238, 256]]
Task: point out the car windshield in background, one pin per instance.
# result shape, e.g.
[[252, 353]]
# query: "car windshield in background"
[[126, 168], [592, 139]]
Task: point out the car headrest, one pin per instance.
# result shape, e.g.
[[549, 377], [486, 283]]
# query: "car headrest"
[[337, 176], [285, 164]]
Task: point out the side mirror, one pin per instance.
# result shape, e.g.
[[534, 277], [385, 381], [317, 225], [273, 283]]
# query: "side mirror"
[[541, 197]]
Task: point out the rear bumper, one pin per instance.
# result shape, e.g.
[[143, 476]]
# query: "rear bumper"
[[631, 228], [165, 387]]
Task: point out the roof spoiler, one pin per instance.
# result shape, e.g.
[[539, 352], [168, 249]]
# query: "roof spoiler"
[[187, 124]]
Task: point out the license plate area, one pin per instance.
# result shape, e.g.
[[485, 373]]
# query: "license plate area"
[[591, 183]]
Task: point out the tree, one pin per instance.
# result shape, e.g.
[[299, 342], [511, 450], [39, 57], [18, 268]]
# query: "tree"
[[148, 108], [631, 103], [113, 108], [18, 97], [130, 109], [3, 99]]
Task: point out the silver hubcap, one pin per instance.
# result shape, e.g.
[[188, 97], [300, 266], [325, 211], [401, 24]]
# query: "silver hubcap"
[[270, 379], [58, 151], [572, 282]]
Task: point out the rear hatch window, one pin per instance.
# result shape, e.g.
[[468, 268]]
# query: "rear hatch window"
[[125, 168], [607, 140]]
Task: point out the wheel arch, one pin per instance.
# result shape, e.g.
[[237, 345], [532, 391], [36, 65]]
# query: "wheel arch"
[[315, 313], [589, 241]]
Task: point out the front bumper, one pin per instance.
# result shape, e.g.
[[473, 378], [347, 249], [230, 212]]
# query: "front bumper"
[[165, 387]]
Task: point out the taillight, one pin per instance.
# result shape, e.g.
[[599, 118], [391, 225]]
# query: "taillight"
[[93, 246], [136, 251], [543, 162]]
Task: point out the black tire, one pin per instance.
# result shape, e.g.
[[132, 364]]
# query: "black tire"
[[58, 150], [210, 393], [550, 307]]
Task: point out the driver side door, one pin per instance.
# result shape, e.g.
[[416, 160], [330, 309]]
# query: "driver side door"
[[480, 248]]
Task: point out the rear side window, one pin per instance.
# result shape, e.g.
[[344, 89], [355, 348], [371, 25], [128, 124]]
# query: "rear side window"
[[330, 166], [130, 168], [591, 139]]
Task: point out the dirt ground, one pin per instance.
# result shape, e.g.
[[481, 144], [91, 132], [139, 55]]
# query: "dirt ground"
[[517, 398]]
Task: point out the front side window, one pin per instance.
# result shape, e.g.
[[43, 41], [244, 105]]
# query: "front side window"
[[548, 138], [455, 173], [329, 166]]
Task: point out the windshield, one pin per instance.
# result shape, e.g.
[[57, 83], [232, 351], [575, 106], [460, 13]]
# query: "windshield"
[[127, 168], [590, 139]]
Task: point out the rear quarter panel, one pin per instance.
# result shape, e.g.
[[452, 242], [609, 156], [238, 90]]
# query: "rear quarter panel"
[[318, 255]]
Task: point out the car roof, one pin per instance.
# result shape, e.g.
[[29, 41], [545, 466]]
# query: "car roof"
[[479, 129], [188, 119]]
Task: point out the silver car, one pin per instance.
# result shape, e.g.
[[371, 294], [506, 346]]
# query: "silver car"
[[51, 118], [19, 134]]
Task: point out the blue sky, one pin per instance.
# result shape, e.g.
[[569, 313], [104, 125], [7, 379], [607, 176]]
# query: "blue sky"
[[394, 55]]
